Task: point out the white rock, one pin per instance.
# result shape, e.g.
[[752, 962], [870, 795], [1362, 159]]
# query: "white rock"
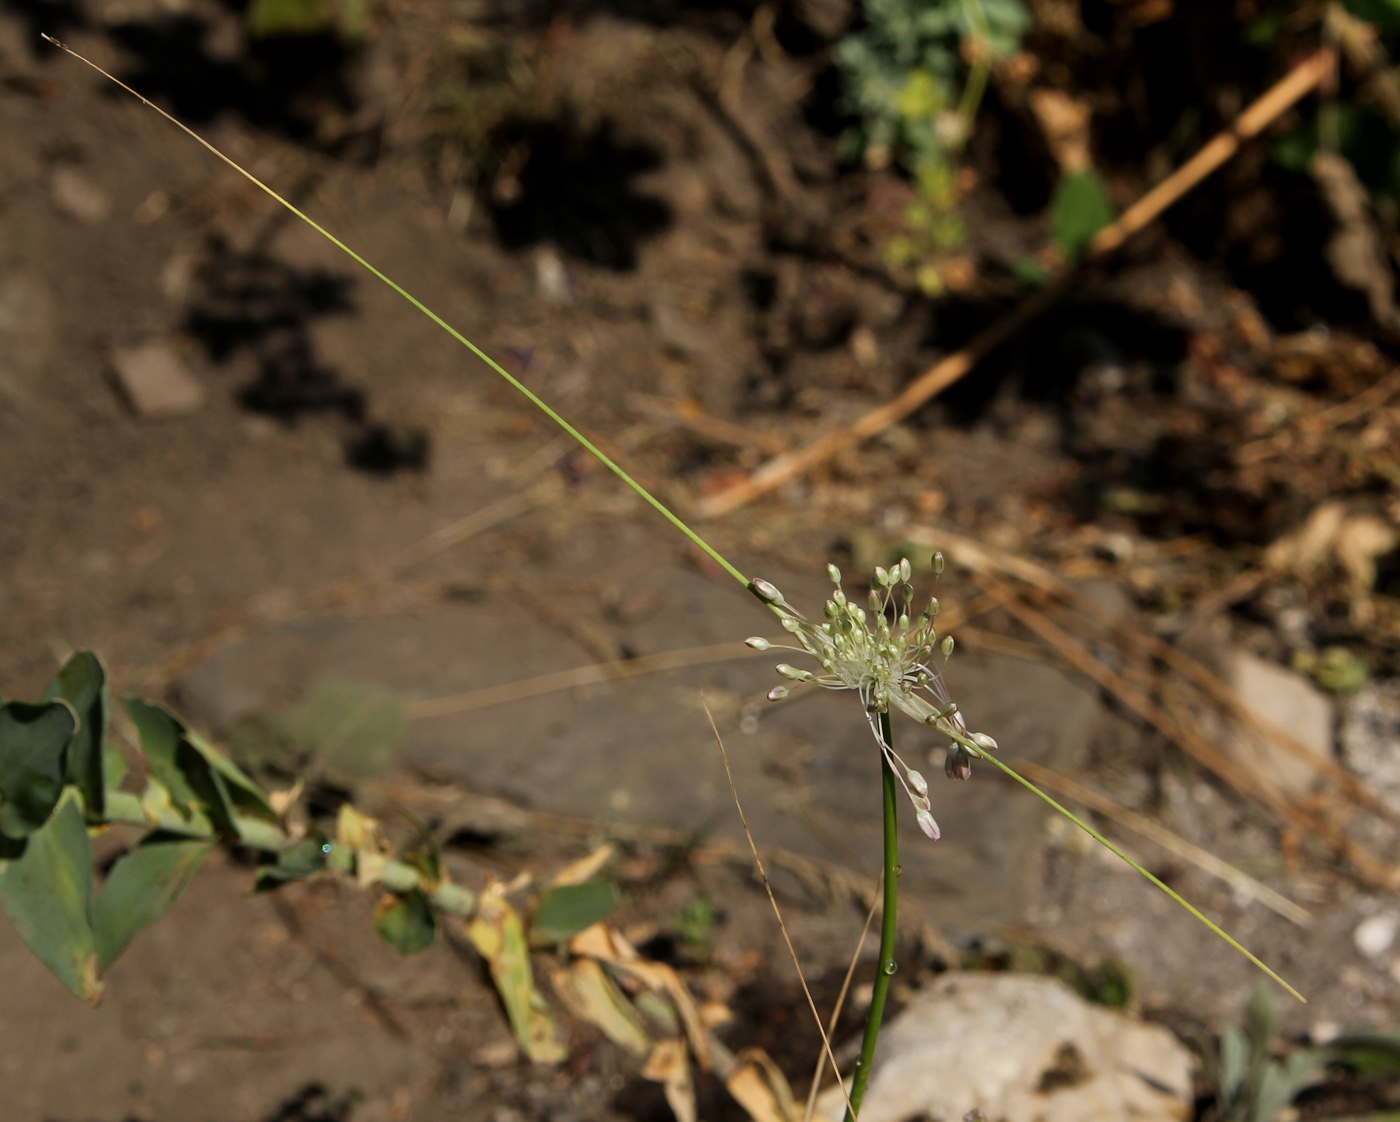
[[155, 380], [1288, 701], [1021, 1049], [1374, 936], [79, 197], [1370, 738]]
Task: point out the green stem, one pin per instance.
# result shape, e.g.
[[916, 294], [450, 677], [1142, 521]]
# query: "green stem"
[[125, 808], [886, 965]]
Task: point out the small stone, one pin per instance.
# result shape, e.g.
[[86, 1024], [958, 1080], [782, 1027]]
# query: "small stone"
[[1374, 936], [79, 197], [178, 276], [155, 380], [1290, 702], [552, 279], [1324, 1032]]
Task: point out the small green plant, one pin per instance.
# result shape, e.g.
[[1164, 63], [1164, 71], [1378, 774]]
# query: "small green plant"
[[1253, 1077], [696, 924], [347, 20], [914, 77]]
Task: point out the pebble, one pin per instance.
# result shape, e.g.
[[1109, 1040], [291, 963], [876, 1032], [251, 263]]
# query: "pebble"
[[155, 381], [1374, 936], [79, 197], [1290, 702]]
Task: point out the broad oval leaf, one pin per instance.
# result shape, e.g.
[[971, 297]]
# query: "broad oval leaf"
[[1079, 210], [351, 732], [47, 892], [33, 753], [566, 910], [406, 922], [142, 886]]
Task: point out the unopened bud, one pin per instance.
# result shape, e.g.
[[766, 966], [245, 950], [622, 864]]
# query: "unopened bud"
[[957, 764], [927, 824], [777, 693], [906, 570], [834, 573], [874, 601], [792, 674], [765, 590], [917, 782], [882, 575], [982, 740], [757, 642], [938, 563], [948, 647]]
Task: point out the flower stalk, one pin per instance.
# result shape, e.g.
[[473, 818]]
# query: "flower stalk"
[[885, 964]]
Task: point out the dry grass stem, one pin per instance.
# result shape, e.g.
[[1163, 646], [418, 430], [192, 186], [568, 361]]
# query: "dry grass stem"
[[840, 1004], [777, 911], [596, 673]]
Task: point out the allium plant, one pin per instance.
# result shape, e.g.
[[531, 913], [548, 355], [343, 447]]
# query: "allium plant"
[[886, 663]]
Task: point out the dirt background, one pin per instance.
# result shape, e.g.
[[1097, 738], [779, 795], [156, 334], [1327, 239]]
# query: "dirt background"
[[634, 206]]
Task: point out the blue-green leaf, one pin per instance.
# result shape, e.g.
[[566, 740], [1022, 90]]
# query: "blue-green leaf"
[[47, 893], [198, 776], [83, 684], [160, 735], [33, 753], [566, 910], [406, 922], [303, 858], [142, 886], [352, 732]]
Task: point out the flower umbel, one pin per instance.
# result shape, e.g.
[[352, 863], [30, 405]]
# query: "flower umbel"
[[886, 663]]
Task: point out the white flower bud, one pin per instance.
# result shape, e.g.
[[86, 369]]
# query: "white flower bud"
[[835, 574], [927, 824], [766, 590], [777, 693], [906, 570], [882, 575], [917, 782], [938, 563], [982, 740], [757, 642], [792, 674], [874, 601], [948, 647]]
